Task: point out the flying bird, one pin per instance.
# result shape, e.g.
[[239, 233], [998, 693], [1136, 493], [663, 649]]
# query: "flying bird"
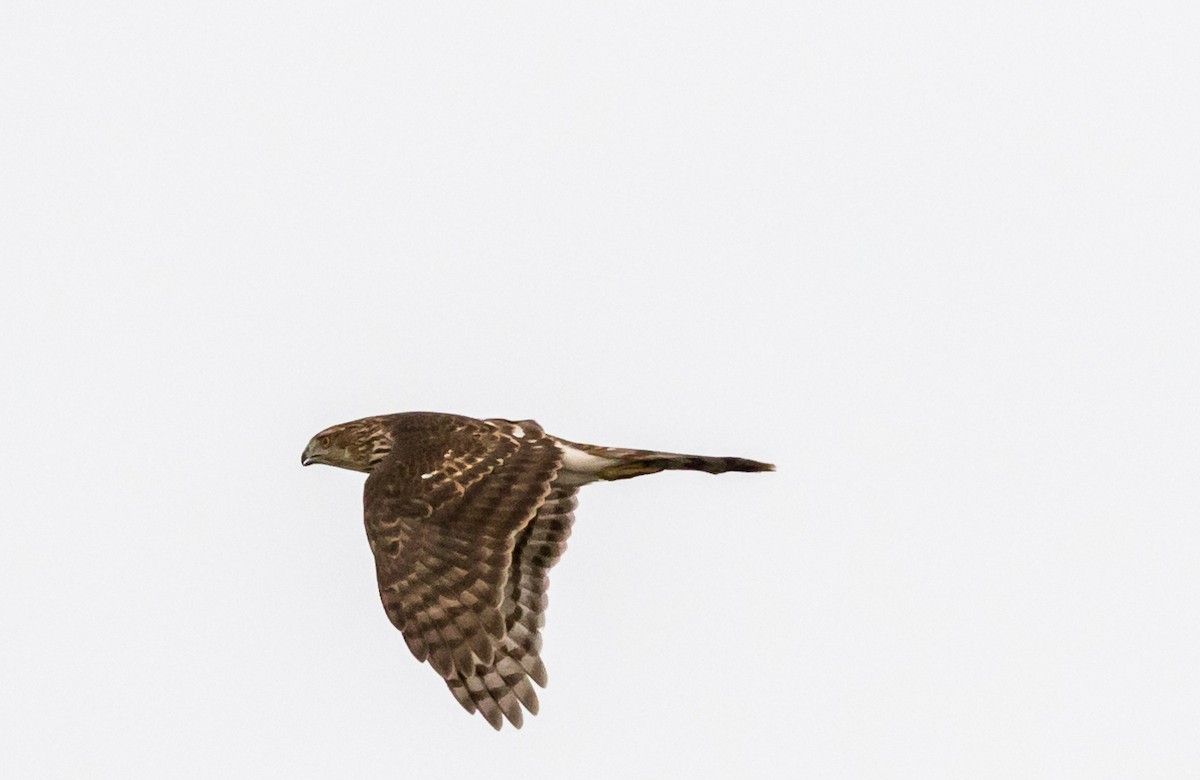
[[465, 518]]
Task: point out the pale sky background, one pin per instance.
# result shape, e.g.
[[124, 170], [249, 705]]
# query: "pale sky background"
[[937, 260]]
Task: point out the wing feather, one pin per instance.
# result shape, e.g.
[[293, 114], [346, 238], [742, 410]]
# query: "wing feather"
[[444, 512], [538, 547]]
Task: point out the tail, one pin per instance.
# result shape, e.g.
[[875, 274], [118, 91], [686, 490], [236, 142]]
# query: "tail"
[[635, 463]]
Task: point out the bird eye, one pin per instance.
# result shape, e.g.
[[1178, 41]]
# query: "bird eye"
[[323, 441]]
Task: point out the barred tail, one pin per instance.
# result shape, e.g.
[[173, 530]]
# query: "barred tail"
[[638, 462]]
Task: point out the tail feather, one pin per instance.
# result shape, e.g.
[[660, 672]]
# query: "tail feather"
[[637, 463]]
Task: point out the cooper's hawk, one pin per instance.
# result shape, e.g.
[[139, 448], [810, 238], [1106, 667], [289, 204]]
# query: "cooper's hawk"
[[465, 518]]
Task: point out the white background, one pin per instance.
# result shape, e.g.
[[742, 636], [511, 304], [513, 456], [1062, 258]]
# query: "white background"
[[935, 259]]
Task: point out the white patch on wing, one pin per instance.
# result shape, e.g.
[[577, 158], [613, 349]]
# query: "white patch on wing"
[[428, 476], [519, 432]]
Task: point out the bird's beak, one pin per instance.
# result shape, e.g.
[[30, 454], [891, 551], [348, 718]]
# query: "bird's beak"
[[306, 457]]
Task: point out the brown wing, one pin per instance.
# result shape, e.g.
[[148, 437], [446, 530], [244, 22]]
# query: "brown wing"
[[442, 514], [538, 547]]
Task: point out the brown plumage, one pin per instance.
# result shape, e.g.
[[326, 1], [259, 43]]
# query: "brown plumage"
[[465, 518]]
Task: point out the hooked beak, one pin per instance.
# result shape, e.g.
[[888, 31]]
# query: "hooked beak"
[[307, 457]]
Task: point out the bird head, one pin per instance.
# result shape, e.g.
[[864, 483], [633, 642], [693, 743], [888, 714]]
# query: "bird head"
[[357, 445]]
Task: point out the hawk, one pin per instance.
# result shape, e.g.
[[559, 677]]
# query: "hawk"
[[465, 518]]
